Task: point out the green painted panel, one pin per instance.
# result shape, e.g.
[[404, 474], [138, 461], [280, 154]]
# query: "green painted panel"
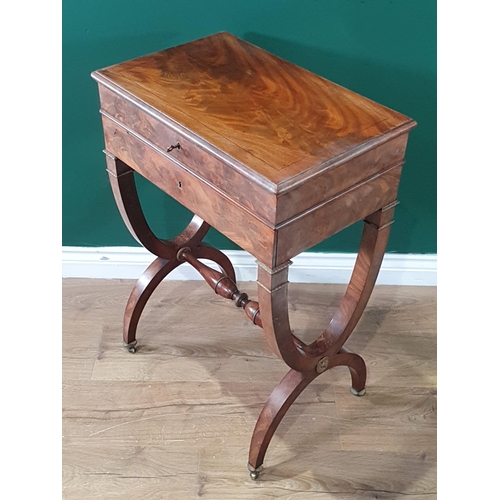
[[383, 49]]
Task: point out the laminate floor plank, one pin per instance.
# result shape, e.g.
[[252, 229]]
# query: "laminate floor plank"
[[174, 420]]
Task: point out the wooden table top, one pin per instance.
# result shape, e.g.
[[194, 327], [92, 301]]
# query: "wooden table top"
[[280, 121]]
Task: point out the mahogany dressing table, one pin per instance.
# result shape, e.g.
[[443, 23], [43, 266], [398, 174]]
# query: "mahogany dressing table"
[[272, 156]]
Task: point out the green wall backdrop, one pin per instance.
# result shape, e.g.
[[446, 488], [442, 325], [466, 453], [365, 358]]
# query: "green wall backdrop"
[[383, 49]]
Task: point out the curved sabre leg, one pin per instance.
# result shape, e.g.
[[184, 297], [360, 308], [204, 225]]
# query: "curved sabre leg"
[[122, 182], [284, 394], [273, 301], [308, 361], [141, 292], [121, 178], [357, 367]]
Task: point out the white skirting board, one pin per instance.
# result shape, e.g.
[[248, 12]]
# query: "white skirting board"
[[308, 267]]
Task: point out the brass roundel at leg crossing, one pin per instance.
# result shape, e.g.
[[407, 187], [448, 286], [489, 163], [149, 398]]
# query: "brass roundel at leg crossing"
[[322, 365]]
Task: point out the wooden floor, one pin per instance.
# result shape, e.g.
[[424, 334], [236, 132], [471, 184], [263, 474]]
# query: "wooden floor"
[[174, 420]]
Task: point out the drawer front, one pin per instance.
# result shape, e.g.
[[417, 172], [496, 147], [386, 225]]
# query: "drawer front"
[[235, 222], [192, 155]]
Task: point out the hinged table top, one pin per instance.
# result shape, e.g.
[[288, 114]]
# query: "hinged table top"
[[280, 122]]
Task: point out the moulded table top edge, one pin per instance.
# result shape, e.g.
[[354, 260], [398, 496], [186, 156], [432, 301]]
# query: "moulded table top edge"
[[302, 177], [186, 132], [218, 69], [276, 188]]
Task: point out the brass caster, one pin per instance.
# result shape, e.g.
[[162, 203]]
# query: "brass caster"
[[131, 347], [358, 394], [255, 473]]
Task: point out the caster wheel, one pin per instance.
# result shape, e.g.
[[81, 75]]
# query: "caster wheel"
[[255, 473], [358, 394], [131, 347]]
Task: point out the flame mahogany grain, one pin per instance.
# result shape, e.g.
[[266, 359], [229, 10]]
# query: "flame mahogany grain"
[[274, 157]]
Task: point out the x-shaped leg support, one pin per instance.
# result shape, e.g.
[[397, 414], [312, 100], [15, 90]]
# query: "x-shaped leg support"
[[306, 362]]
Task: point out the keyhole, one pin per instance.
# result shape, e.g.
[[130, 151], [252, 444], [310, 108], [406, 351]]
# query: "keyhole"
[[179, 184]]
